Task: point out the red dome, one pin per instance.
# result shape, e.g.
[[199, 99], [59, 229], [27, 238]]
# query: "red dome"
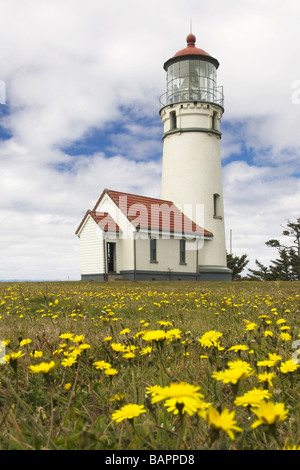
[[191, 48]]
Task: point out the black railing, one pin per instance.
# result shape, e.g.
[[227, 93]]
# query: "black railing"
[[209, 95]]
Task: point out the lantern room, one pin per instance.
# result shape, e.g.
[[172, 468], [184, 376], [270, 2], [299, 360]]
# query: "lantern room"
[[192, 76]]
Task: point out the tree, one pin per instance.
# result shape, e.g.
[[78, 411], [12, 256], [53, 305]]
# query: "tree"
[[237, 264], [287, 266], [260, 274]]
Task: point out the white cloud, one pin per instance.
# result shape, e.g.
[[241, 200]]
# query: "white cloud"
[[259, 200], [72, 68]]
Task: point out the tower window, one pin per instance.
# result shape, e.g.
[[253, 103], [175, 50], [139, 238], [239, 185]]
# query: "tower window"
[[217, 212], [214, 121], [153, 250], [173, 120], [182, 252]]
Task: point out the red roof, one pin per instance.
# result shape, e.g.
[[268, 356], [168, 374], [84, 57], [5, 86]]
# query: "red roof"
[[103, 219], [191, 48], [151, 213], [189, 52]]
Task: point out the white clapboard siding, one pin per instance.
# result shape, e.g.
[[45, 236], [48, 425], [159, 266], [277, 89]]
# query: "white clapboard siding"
[[91, 248]]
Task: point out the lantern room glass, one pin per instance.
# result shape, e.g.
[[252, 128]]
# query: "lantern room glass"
[[193, 80]]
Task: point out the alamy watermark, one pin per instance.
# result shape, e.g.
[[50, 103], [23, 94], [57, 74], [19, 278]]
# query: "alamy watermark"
[[152, 220], [296, 93], [295, 354], [2, 92]]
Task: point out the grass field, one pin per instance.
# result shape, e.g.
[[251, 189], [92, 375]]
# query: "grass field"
[[162, 366]]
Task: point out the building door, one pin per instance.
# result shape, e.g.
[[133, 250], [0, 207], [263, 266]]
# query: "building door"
[[111, 257]]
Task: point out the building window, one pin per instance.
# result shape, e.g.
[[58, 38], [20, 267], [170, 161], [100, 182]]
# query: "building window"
[[214, 121], [173, 120], [153, 250], [217, 211], [182, 252]]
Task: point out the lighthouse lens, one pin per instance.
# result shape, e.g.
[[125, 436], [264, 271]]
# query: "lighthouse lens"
[[191, 80]]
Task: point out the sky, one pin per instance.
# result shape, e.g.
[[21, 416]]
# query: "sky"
[[80, 82]]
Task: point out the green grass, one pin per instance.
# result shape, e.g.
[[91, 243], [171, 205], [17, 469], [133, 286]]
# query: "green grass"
[[72, 407]]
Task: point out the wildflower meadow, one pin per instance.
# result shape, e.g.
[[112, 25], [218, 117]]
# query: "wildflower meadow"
[[149, 366]]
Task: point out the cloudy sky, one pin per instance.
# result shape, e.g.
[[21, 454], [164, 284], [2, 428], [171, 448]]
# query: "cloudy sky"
[[82, 81]]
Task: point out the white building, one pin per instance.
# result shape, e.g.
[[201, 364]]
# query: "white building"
[[158, 239]]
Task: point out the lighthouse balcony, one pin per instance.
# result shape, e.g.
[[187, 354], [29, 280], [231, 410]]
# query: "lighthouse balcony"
[[208, 95]]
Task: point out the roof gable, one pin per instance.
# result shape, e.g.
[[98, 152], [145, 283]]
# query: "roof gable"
[[102, 219], [152, 213]]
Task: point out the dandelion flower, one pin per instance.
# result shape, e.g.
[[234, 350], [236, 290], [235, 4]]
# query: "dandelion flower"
[[66, 335], [154, 335], [175, 333], [232, 376], [154, 390], [128, 412], [223, 421], [250, 326], [118, 347], [146, 350], [266, 377], [181, 397], [68, 361], [164, 323], [102, 365], [238, 347], [266, 363], [269, 413], [268, 333], [117, 397], [25, 341], [125, 331], [210, 339], [274, 357], [129, 355], [285, 336], [43, 367], [110, 371], [36, 354], [288, 366], [13, 357], [77, 339], [237, 370], [240, 364], [252, 397]]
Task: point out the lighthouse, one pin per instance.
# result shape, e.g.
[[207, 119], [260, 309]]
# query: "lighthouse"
[[179, 236], [191, 111]]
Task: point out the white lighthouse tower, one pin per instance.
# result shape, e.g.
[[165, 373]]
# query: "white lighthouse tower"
[[191, 113]]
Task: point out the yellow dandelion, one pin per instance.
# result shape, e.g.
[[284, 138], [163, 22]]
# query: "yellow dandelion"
[[110, 371], [252, 397], [269, 413], [101, 365], [43, 367], [25, 341], [154, 335], [210, 339], [285, 336], [223, 421], [129, 411], [288, 366]]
